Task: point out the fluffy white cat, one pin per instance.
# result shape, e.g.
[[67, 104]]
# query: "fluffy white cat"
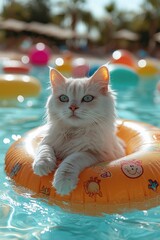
[[81, 128]]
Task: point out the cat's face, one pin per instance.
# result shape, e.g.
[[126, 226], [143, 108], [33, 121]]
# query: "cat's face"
[[79, 102]]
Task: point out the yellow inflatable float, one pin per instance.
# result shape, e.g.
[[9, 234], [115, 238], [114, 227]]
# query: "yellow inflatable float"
[[147, 68], [13, 85], [125, 184]]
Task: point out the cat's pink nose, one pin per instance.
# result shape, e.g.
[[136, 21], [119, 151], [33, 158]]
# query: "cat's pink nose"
[[73, 107]]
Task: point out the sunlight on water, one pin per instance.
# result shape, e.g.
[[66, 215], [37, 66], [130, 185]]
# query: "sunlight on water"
[[23, 217], [32, 219]]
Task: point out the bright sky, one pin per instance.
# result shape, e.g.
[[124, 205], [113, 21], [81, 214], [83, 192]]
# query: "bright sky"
[[96, 6]]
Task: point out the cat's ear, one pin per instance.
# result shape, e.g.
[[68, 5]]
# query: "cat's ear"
[[101, 77], [56, 77]]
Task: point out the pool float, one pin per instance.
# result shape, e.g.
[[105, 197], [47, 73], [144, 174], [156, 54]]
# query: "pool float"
[[80, 68], [13, 66], [122, 76], [125, 184], [147, 68], [125, 57], [93, 69], [39, 54], [14, 85], [64, 65]]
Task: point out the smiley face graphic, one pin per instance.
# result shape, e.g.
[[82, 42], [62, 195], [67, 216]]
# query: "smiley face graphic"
[[132, 169]]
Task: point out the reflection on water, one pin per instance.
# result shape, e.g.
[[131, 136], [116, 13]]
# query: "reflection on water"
[[22, 217], [30, 219]]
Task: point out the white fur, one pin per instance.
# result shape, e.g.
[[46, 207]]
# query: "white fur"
[[80, 141]]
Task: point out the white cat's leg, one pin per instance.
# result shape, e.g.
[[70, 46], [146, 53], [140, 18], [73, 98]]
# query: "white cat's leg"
[[45, 160], [66, 176]]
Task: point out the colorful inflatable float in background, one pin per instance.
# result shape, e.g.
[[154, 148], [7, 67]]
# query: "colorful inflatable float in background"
[[39, 54], [125, 57], [122, 76], [80, 68], [15, 66], [122, 63], [14, 85], [145, 67]]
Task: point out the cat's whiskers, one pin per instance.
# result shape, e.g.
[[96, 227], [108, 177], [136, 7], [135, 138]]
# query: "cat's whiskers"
[[94, 117]]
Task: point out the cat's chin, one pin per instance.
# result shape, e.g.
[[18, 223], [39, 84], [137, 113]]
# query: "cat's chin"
[[74, 118], [75, 121]]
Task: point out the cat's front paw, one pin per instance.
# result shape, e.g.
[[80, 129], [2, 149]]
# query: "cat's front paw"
[[43, 166], [64, 182]]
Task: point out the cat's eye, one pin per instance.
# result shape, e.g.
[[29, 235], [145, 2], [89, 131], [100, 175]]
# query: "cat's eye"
[[87, 98], [64, 98]]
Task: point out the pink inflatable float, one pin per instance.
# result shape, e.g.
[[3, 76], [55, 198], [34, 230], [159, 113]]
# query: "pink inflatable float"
[[39, 54]]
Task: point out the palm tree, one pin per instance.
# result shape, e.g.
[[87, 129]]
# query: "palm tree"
[[34, 10], [151, 19], [70, 12], [88, 19], [39, 11], [109, 23], [13, 9]]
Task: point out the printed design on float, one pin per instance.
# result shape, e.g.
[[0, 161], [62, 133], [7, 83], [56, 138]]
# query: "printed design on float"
[[103, 172], [132, 169], [92, 187], [15, 170], [153, 185], [106, 174]]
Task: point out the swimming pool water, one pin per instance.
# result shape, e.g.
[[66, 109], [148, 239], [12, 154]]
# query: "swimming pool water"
[[23, 217]]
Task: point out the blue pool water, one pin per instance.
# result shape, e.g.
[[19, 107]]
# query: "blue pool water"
[[23, 217]]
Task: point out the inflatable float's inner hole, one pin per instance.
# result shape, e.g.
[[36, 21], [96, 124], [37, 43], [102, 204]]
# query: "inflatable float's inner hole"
[[131, 134]]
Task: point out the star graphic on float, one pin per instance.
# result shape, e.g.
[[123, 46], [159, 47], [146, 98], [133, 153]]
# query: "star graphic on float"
[[153, 184]]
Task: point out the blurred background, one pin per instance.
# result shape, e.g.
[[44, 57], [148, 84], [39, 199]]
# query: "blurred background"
[[83, 26]]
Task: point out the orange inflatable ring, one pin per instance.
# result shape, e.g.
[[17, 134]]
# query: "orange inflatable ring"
[[125, 184]]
